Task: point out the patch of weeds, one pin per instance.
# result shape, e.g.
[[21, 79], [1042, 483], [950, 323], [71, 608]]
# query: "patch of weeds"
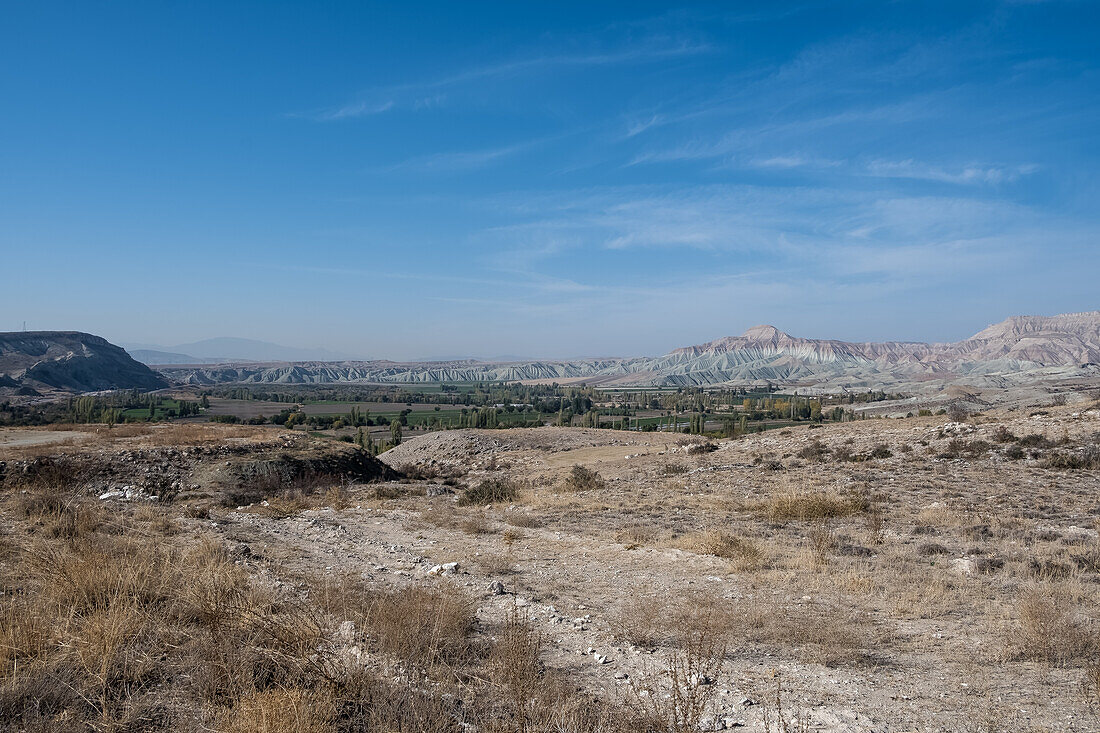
[[880, 450], [475, 524], [581, 478], [529, 521], [745, 553], [811, 506], [1052, 629], [637, 535], [489, 491], [815, 451]]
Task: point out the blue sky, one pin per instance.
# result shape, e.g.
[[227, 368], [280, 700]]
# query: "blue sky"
[[401, 180]]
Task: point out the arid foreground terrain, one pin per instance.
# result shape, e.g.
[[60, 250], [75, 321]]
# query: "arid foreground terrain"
[[881, 575]]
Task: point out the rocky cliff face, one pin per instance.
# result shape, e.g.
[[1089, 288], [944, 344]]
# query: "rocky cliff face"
[[69, 361]]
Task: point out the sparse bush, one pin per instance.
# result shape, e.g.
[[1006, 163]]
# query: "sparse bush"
[[815, 451], [494, 563], [931, 549], [961, 449], [1035, 440], [423, 627], [701, 640], [880, 450], [643, 621], [420, 472], [489, 491], [957, 413], [1090, 685], [818, 632], [581, 478], [843, 454], [822, 542], [1085, 459], [439, 516]]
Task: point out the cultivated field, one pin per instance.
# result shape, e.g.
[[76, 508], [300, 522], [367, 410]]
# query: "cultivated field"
[[880, 575]]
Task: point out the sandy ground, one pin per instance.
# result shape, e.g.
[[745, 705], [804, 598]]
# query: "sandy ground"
[[23, 437]]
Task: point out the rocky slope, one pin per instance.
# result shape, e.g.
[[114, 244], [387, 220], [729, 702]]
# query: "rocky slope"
[[69, 361], [1019, 349]]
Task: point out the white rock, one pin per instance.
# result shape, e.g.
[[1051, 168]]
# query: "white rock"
[[964, 565], [346, 631]]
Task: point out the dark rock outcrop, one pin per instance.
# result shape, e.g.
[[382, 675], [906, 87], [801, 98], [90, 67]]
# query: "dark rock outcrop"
[[70, 361]]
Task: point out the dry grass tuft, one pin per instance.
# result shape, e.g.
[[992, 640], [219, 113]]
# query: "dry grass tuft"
[[1052, 630], [1090, 685], [637, 535], [745, 553], [281, 711], [644, 621], [811, 506], [424, 627], [690, 697], [527, 521], [476, 523]]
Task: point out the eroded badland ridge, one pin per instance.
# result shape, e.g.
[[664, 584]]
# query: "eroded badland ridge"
[[1017, 351]]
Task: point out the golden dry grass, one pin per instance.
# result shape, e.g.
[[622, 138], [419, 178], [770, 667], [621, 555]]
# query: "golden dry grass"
[[744, 553]]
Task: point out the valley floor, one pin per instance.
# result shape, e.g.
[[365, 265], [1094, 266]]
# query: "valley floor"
[[883, 575]]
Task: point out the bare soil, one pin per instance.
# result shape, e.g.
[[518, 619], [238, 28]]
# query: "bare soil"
[[880, 575]]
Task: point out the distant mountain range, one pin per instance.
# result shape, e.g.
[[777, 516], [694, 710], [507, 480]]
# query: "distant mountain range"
[[1018, 349], [227, 349]]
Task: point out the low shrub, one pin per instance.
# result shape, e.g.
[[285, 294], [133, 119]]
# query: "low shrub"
[[489, 491], [581, 478]]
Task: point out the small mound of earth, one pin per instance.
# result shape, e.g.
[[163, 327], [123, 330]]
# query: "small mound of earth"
[[459, 447]]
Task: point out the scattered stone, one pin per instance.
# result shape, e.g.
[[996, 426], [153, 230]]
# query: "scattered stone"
[[964, 565], [496, 588]]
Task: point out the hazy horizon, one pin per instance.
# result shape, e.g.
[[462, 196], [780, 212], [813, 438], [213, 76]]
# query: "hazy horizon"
[[236, 348], [553, 180]]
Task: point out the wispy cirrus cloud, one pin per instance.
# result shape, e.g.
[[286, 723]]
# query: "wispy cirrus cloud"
[[968, 174], [432, 91], [463, 160]]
